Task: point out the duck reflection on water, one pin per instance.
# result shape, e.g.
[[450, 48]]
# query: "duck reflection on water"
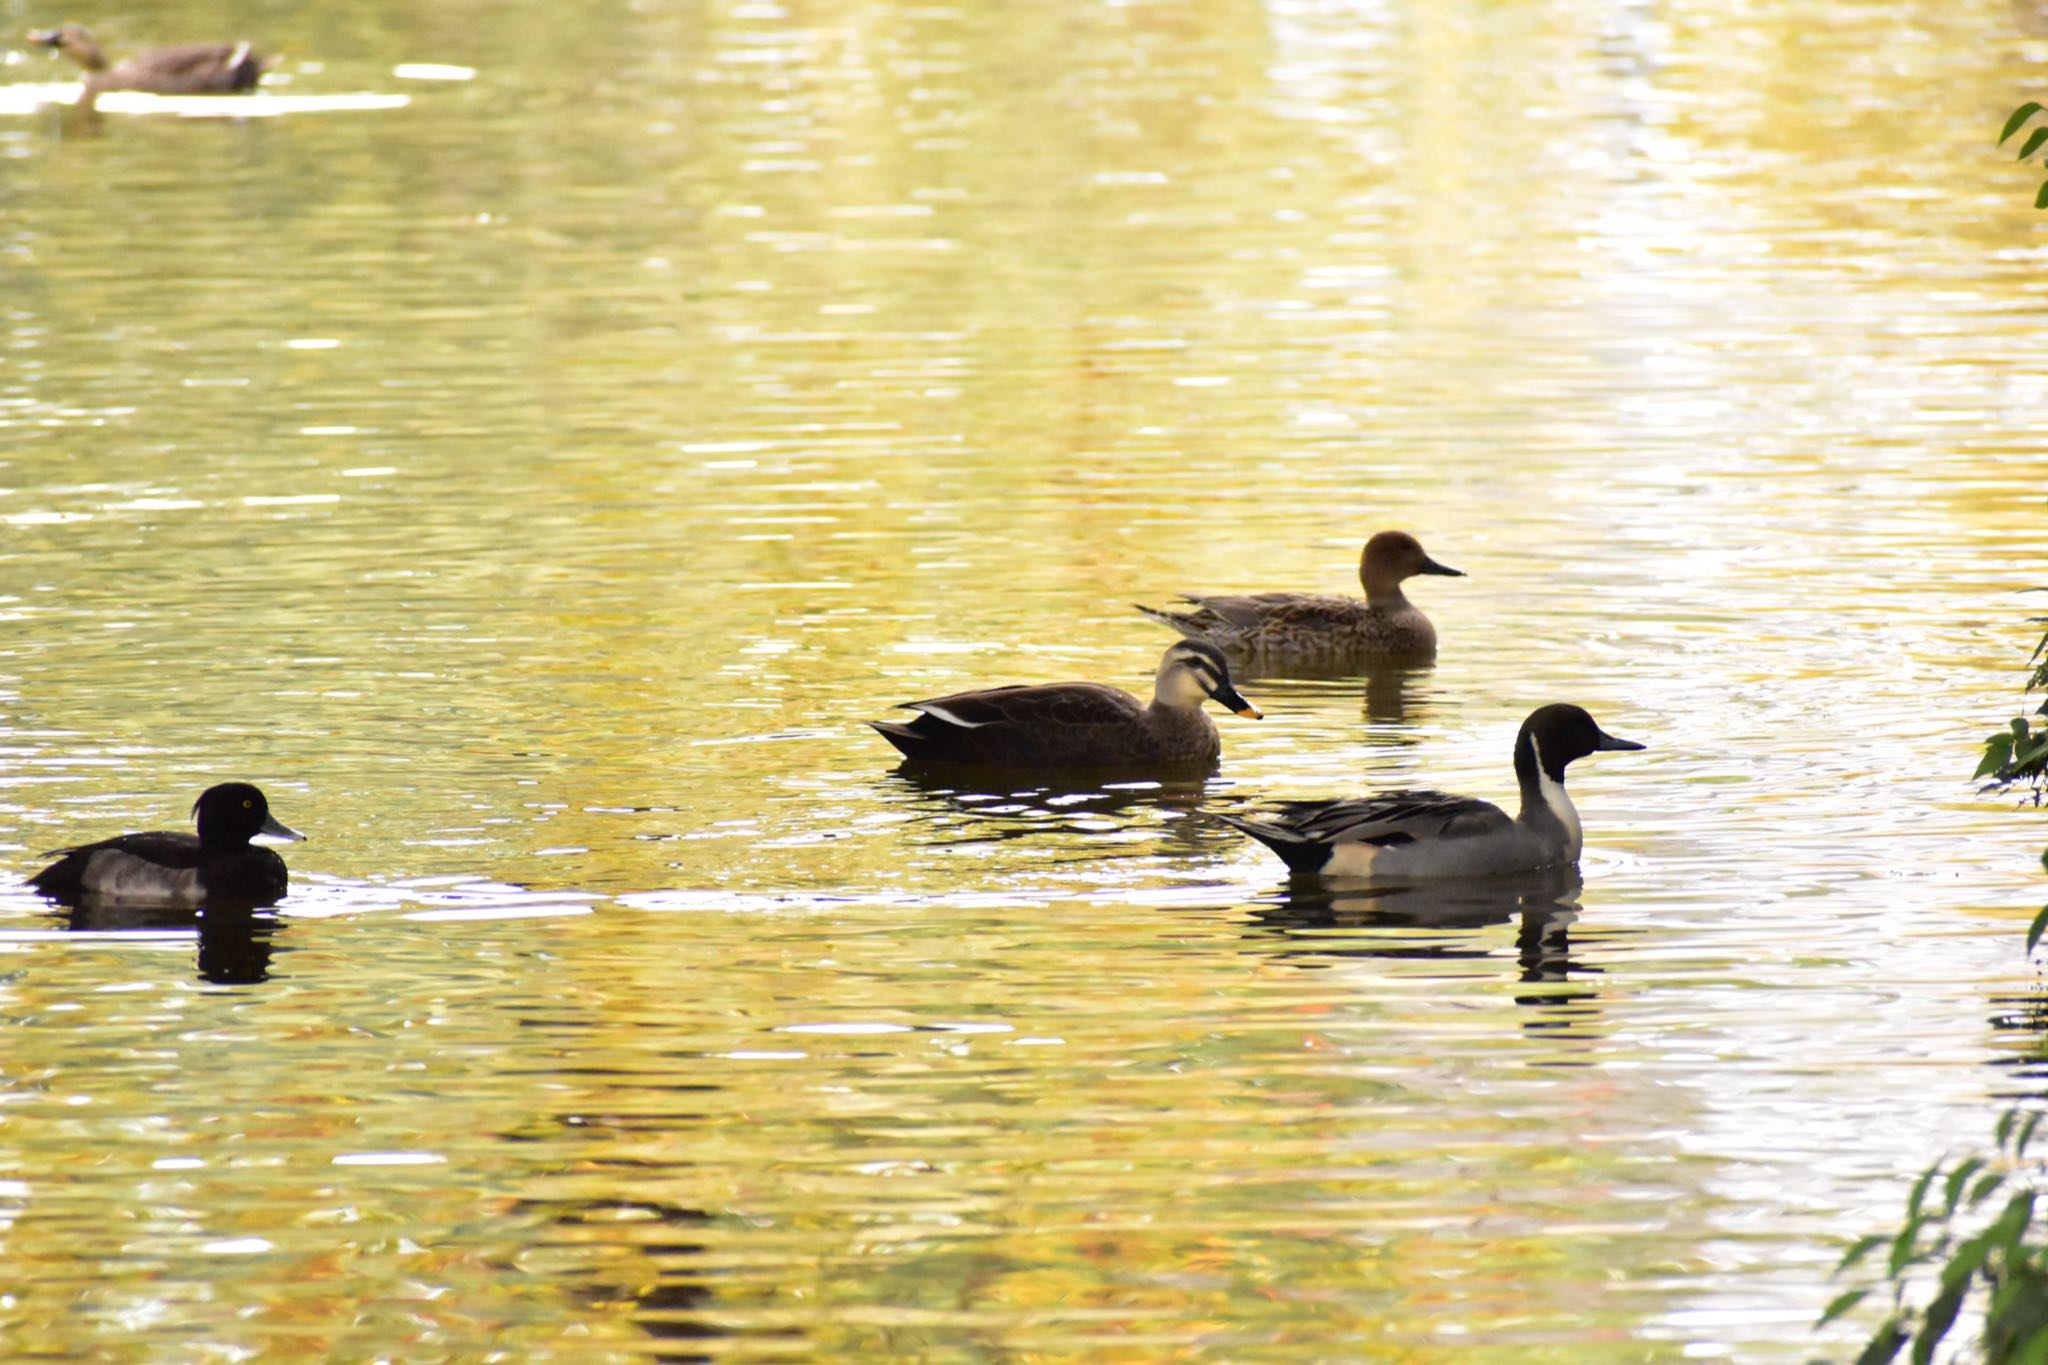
[[1393, 693], [234, 937], [996, 807], [1543, 904], [644, 1259]]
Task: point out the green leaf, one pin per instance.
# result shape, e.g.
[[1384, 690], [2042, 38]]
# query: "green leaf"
[[1919, 1194], [1985, 1188], [1935, 1322], [2019, 116], [1881, 1348], [2032, 144], [1952, 1188], [1904, 1245], [1967, 1260], [1863, 1247], [2005, 1232], [1840, 1304], [2041, 196], [2037, 928], [2034, 1351], [2006, 1122], [1997, 753], [2019, 1146]]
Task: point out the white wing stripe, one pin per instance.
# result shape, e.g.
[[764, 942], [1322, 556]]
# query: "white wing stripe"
[[941, 713]]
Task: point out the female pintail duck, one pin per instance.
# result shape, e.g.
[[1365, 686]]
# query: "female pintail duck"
[[186, 69], [1079, 724], [1280, 625], [163, 868], [1424, 834]]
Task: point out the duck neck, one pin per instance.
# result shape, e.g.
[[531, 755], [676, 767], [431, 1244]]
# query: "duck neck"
[[1176, 690], [86, 53], [1545, 804]]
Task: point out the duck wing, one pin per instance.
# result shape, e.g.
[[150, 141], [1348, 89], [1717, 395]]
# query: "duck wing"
[[188, 69], [1390, 818], [1246, 610], [65, 878], [1047, 723], [1064, 705]]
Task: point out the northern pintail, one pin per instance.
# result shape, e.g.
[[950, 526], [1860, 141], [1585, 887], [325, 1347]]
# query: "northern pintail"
[[1277, 626], [184, 69], [1078, 724], [1426, 834], [163, 868]]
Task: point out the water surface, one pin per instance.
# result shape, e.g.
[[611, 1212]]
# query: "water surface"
[[535, 483]]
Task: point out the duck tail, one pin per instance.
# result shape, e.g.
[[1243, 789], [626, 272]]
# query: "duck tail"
[[907, 740], [1168, 618], [1298, 851]]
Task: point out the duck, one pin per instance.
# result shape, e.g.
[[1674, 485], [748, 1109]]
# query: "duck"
[[171, 869], [1079, 724], [1426, 835], [1278, 626], [183, 69]]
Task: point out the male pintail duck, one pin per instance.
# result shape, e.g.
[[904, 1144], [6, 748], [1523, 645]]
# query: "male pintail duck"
[[1424, 835], [1281, 625], [163, 868], [186, 69], [1079, 724]]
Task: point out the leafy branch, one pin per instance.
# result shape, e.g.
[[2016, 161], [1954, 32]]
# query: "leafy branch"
[[2035, 141]]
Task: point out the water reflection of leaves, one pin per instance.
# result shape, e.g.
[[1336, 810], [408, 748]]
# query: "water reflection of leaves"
[[234, 938]]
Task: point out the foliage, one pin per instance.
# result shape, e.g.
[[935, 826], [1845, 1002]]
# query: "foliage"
[[2019, 753], [1988, 1255], [2035, 141], [1994, 1252]]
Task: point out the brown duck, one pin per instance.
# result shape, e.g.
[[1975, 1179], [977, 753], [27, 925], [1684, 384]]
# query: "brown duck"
[[1078, 724], [1276, 629], [184, 69]]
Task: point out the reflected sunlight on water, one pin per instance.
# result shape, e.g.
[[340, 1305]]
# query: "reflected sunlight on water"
[[535, 484]]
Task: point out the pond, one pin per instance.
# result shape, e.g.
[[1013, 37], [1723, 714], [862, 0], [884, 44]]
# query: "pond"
[[531, 445]]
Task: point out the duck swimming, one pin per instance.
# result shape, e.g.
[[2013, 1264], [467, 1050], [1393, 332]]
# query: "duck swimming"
[[1423, 835], [1277, 626], [1079, 724], [163, 868], [185, 69]]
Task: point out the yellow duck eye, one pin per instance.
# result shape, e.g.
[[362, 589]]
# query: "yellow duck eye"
[[246, 804]]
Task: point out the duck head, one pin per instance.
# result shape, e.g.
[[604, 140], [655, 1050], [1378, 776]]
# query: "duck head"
[[74, 41], [1392, 556], [233, 813], [1192, 670], [1555, 736]]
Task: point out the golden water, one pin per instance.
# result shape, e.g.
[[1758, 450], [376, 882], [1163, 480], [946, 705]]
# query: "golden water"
[[534, 485]]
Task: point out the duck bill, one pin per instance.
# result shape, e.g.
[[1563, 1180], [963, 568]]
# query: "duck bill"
[[1610, 742], [1228, 696], [278, 829], [46, 37], [1431, 566]]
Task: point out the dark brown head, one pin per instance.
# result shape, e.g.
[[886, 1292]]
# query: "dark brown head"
[[1392, 556], [75, 42]]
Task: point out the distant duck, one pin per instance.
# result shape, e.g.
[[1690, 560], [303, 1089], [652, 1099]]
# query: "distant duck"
[[186, 69], [1424, 835], [1277, 626], [168, 869], [1079, 724]]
